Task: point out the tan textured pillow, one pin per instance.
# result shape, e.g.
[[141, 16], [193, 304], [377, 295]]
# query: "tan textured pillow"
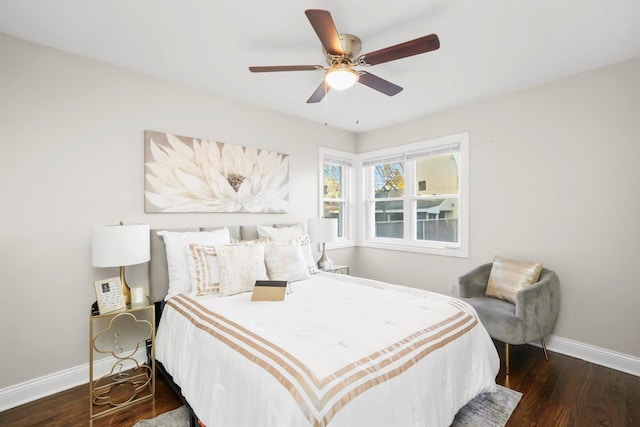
[[509, 276], [240, 266]]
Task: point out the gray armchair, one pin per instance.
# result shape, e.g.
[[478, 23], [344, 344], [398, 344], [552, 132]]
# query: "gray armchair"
[[531, 318]]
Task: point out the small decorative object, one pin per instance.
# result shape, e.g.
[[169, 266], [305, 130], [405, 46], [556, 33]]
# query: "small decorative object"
[[323, 230], [269, 290], [118, 246], [109, 295], [184, 174], [138, 296]]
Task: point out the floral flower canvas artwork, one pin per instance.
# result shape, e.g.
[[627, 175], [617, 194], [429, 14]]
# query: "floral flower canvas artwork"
[[185, 174]]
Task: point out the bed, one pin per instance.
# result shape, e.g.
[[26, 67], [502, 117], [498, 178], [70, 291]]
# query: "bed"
[[338, 351]]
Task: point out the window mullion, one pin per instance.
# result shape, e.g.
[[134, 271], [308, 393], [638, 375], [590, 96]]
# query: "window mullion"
[[408, 193], [370, 205]]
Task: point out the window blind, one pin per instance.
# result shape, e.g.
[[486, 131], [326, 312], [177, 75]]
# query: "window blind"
[[446, 149], [338, 161]]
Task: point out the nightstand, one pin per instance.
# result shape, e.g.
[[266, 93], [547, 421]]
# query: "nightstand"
[[121, 335], [338, 269]]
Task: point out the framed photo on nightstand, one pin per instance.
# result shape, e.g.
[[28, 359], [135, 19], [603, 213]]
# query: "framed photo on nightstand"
[[109, 295]]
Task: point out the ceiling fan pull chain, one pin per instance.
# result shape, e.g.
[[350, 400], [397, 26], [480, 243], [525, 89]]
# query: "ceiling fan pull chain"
[[357, 112], [326, 103]]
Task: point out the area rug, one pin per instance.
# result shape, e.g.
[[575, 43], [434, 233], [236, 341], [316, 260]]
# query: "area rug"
[[486, 410]]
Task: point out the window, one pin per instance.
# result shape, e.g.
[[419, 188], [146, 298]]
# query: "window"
[[436, 206], [388, 198], [412, 197], [336, 176], [416, 197]]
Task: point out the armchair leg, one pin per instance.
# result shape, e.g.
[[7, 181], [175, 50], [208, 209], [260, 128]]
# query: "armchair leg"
[[506, 354], [506, 358], [544, 348]]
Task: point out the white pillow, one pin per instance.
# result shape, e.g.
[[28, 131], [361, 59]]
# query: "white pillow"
[[240, 266], [177, 245], [280, 234], [204, 269], [285, 261]]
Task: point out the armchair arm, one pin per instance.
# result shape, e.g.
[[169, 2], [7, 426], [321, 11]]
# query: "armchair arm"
[[474, 283], [538, 304]]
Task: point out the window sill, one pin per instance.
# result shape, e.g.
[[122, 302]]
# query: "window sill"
[[454, 251], [341, 245]]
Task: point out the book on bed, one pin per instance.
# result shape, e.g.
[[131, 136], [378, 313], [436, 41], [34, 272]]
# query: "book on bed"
[[269, 290]]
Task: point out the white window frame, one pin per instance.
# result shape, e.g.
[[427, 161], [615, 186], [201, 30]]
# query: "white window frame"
[[348, 193], [408, 242]]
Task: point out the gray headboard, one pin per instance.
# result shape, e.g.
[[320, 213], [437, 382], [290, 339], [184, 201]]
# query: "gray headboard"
[[158, 272]]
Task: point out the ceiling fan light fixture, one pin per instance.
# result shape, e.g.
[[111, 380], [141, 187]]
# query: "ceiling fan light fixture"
[[341, 77]]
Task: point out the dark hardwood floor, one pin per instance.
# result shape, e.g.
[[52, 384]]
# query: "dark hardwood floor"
[[561, 392]]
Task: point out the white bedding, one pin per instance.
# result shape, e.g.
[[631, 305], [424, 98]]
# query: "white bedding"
[[339, 351]]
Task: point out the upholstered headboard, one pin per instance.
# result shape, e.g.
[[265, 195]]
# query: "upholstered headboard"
[[158, 270]]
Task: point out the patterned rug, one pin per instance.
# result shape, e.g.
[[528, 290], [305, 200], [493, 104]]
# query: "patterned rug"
[[486, 410]]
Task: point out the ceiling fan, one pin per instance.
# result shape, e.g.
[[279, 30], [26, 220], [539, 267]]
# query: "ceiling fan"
[[341, 52]]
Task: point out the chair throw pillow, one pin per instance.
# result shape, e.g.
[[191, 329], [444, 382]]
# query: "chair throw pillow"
[[509, 276]]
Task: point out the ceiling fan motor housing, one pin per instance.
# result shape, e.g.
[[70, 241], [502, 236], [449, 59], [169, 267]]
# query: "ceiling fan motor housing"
[[351, 45]]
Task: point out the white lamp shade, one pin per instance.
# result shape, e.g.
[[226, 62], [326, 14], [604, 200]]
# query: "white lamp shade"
[[120, 245], [323, 230]]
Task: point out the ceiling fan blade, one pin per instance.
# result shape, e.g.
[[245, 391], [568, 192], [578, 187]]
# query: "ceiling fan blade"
[[379, 84], [402, 50], [273, 68], [319, 93], [322, 22]]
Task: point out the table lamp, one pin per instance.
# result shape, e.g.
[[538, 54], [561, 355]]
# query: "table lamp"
[[120, 245], [323, 230]]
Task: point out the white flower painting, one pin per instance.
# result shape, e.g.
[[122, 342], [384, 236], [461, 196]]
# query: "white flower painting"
[[195, 175]]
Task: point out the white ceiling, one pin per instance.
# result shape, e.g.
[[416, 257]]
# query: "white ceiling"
[[488, 47]]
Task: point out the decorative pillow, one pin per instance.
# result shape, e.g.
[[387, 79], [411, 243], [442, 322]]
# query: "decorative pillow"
[[280, 234], [204, 269], [509, 276], [285, 261], [240, 266], [288, 234], [177, 245], [305, 246]]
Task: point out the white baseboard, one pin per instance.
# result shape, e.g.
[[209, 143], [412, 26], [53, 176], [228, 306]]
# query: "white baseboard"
[[599, 356], [31, 390]]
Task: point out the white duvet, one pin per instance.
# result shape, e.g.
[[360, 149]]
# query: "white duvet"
[[339, 351]]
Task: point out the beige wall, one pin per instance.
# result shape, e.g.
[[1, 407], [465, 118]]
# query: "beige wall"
[[554, 178], [72, 157]]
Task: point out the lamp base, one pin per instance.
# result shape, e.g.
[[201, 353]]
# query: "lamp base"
[[324, 262], [126, 294]]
